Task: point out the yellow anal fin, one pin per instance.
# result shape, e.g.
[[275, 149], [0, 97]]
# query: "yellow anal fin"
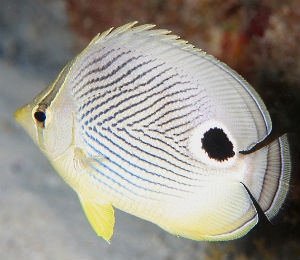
[[100, 215]]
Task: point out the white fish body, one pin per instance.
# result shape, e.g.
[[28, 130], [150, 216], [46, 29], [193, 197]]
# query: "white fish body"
[[146, 123]]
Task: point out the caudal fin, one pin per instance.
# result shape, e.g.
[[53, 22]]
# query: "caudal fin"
[[269, 177]]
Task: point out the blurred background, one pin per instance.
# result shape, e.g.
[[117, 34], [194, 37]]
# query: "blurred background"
[[40, 216]]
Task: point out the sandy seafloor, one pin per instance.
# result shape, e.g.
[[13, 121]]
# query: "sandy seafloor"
[[40, 216]]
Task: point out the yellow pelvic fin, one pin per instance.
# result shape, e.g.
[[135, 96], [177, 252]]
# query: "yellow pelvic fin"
[[100, 215]]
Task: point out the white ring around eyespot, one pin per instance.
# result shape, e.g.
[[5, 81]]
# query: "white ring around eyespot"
[[195, 144]]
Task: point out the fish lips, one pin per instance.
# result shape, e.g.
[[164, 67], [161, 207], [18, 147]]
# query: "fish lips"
[[24, 118]]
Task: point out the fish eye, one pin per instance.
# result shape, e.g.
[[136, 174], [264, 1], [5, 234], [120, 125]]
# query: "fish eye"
[[212, 143], [40, 116]]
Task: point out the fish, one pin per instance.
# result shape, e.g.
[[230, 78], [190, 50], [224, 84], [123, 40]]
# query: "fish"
[[145, 122]]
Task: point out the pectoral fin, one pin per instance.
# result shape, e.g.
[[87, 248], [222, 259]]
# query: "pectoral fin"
[[100, 216], [82, 161]]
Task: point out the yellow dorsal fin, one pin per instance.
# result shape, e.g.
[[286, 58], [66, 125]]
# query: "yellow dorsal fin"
[[100, 215]]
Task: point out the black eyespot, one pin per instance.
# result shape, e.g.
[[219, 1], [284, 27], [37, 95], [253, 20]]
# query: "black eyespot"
[[217, 145], [40, 116]]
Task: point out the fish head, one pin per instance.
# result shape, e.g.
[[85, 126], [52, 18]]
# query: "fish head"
[[48, 119]]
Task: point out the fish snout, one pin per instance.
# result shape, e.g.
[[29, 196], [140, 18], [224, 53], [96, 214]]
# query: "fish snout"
[[23, 116]]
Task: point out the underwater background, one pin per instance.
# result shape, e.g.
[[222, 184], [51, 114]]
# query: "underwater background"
[[40, 216]]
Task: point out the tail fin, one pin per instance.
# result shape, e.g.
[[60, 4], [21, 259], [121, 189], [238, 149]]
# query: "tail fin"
[[268, 176]]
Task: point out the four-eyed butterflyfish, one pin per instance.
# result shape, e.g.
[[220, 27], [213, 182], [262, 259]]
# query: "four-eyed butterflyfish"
[[144, 122]]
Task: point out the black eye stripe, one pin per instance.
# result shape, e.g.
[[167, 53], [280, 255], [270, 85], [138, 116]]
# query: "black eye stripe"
[[40, 116]]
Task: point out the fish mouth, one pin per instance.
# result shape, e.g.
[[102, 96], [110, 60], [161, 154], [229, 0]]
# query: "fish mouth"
[[22, 116]]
